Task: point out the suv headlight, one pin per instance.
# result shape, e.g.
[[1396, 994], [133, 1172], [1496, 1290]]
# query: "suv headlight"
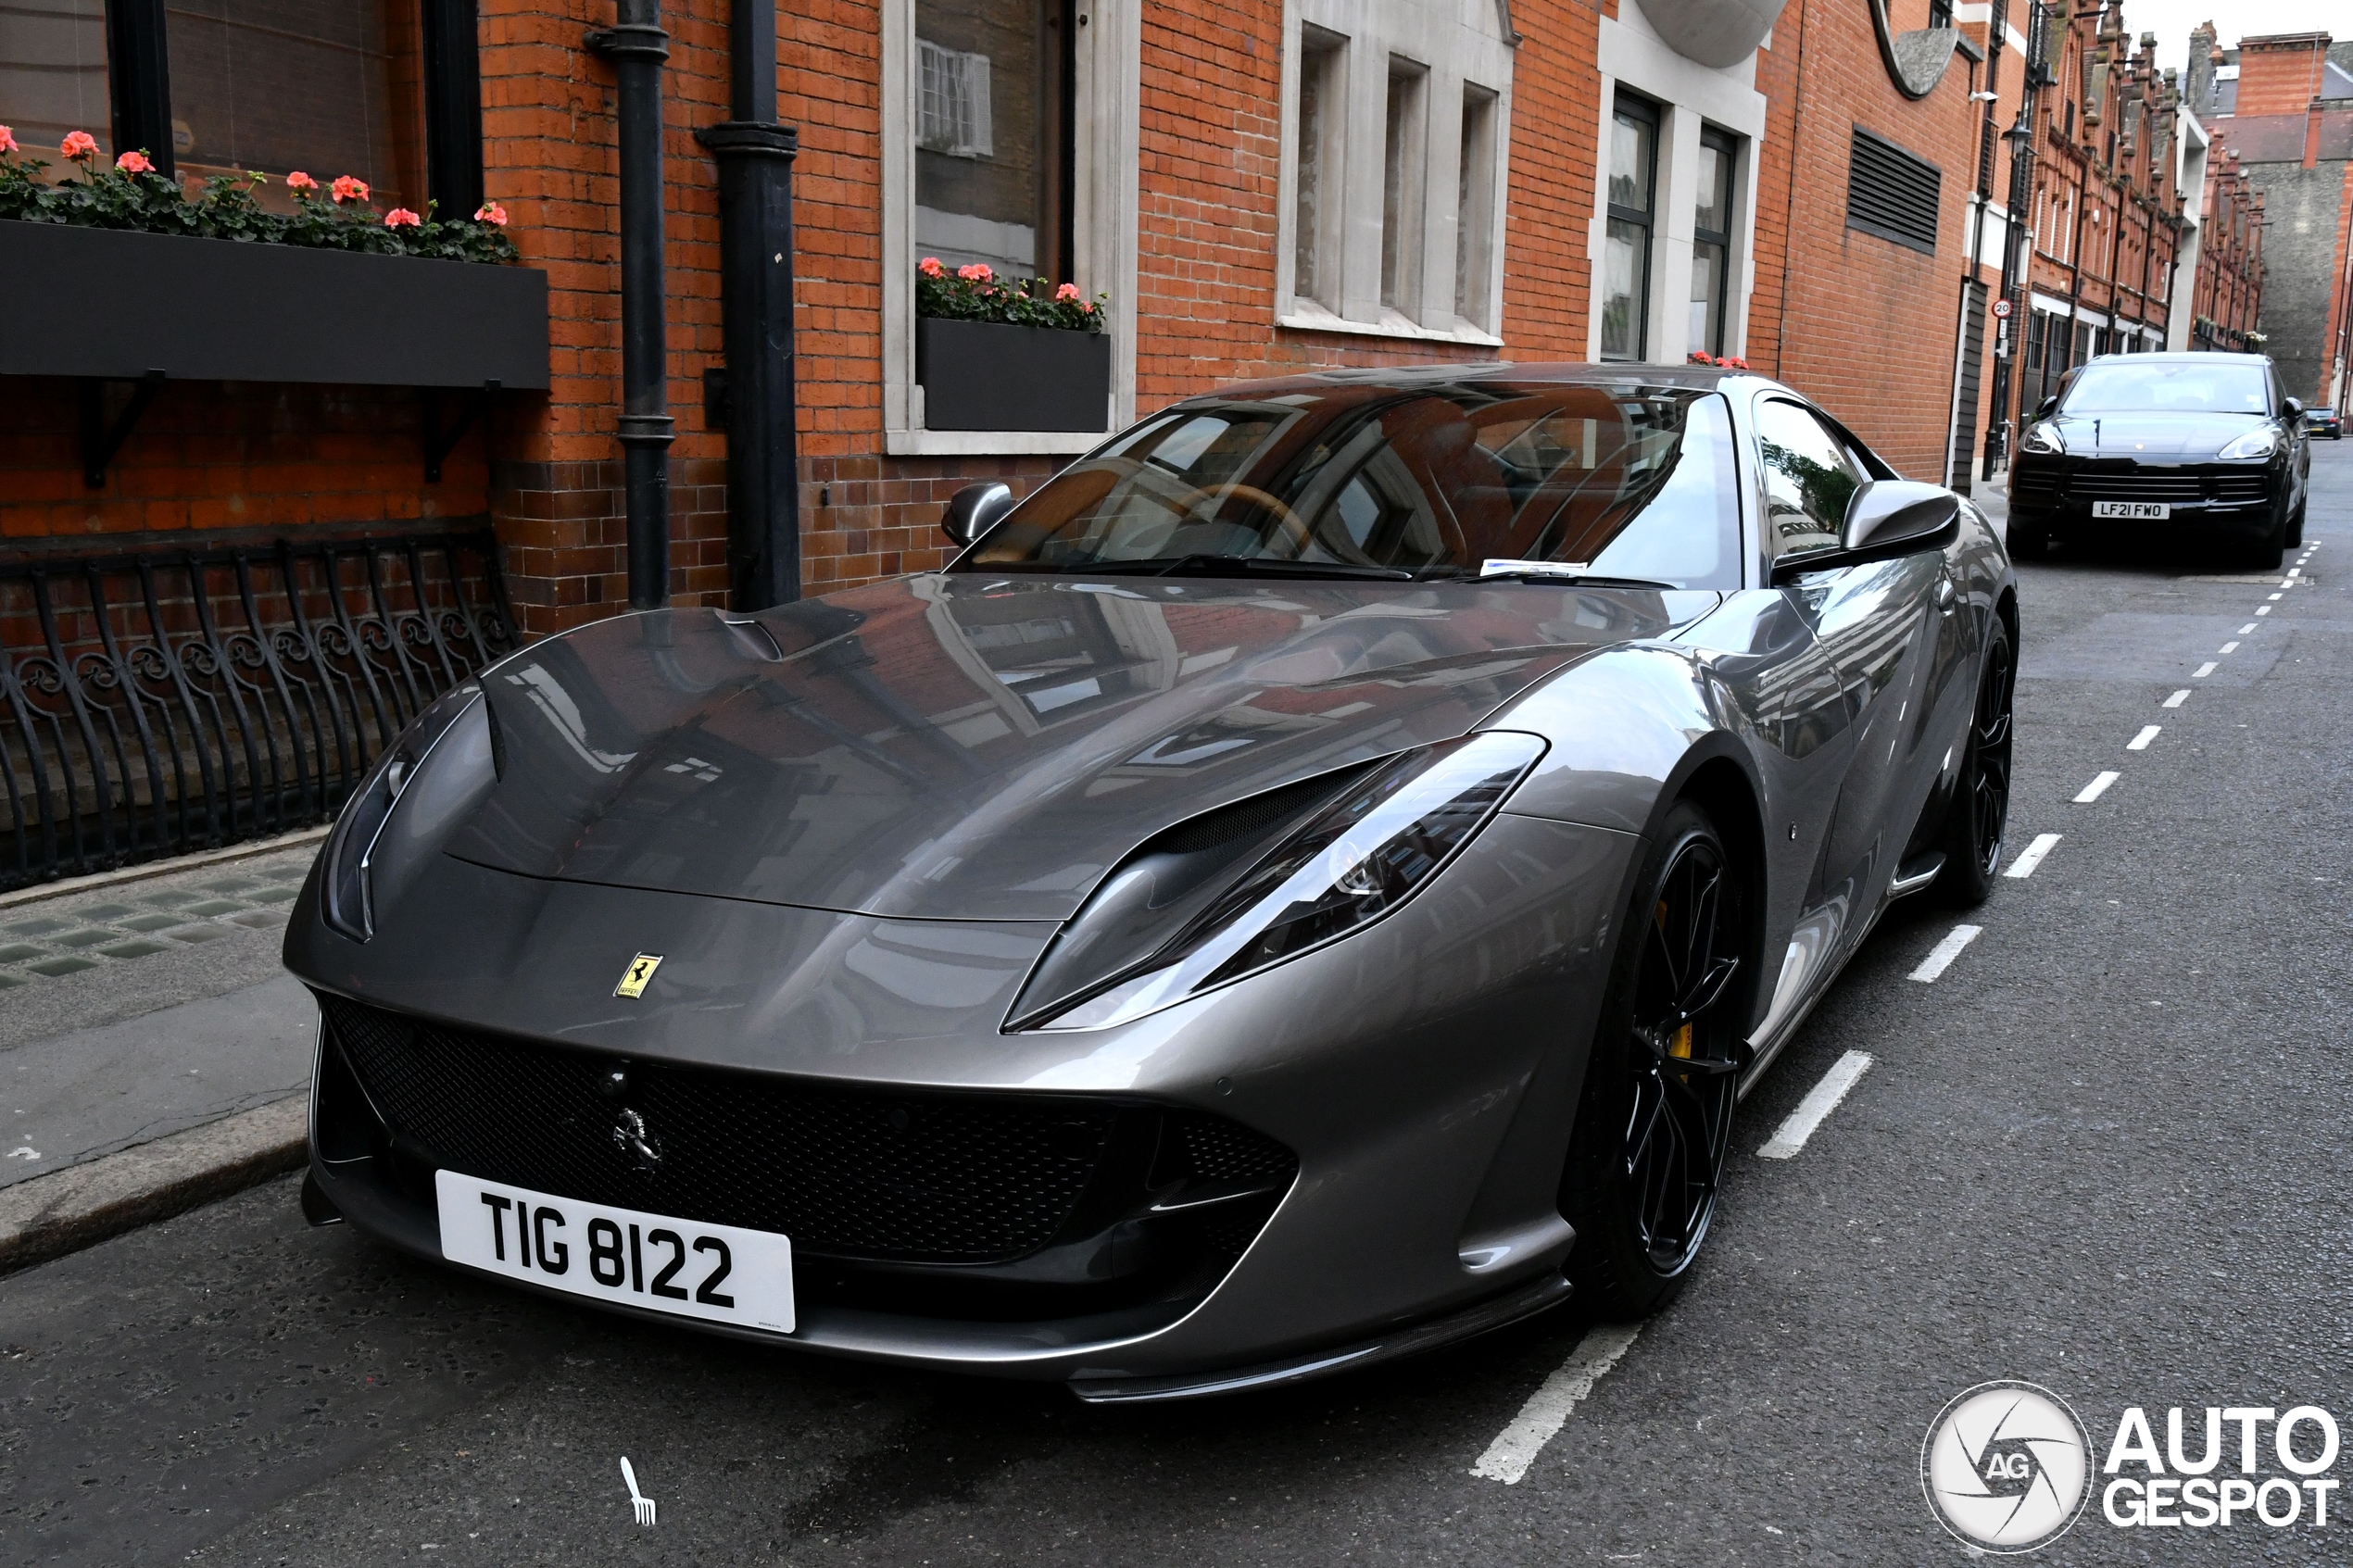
[[349, 883], [2254, 444], [1350, 863], [2043, 439]]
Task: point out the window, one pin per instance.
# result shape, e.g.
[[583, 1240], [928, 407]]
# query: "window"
[[993, 135], [1626, 268], [53, 72], [1711, 242], [1809, 477], [1475, 211], [1892, 193], [1315, 228], [1396, 121], [1401, 201], [328, 86], [1628, 479], [332, 87]]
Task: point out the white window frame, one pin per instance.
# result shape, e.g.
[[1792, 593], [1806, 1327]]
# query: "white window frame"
[[1468, 42], [1103, 195], [1688, 96]]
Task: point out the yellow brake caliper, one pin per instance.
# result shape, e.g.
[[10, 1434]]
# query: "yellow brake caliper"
[[1682, 1044]]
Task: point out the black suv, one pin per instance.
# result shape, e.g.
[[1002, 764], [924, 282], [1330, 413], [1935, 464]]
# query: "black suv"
[[2136, 445]]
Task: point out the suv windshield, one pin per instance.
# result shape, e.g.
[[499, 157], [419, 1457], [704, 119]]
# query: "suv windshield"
[[1429, 480], [2169, 387]]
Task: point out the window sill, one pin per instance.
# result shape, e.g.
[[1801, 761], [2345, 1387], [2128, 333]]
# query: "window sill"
[[1315, 320], [991, 443]]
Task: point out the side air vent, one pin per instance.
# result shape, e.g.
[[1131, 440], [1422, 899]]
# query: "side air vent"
[[1892, 193]]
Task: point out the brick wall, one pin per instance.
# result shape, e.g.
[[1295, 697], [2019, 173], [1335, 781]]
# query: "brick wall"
[[2280, 74]]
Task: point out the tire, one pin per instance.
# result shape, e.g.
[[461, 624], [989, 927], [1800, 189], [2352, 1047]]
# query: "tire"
[[2296, 526], [1656, 1117], [1979, 815], [2267, 554], [2028, 541]]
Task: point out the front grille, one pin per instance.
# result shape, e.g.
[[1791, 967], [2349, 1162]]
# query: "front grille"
[[2179, 483], [2148, 485], [846, 1174]]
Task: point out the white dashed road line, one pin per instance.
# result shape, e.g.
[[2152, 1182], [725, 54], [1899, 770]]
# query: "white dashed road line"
[[2203, 671], [2264, 610], [1939, 958], [2229, 647], [2178, 697], [2141, 742], [2247, 628], [1540, 1420], [2097, 788], [1815, 1108], [2275, 597], [2032, 855]]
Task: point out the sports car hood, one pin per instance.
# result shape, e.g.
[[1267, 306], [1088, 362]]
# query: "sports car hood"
[[2155, 437], [963, 746]]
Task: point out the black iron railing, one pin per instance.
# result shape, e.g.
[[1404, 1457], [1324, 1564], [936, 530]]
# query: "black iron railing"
[[156, 704]]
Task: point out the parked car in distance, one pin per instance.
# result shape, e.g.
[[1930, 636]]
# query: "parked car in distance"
[[2139, 446], [2324, 422]]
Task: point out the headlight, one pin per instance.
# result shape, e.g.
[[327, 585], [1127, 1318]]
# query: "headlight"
[[1345, 866], [2043, 440], [2254, 444], [348, 888]]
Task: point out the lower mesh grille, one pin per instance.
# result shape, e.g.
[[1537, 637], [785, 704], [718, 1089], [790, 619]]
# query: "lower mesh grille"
[[850, 1174]]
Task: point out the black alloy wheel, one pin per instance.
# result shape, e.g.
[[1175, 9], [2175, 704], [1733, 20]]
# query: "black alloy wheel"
[[1655, 1119], [1980, 813], [2029, 538]]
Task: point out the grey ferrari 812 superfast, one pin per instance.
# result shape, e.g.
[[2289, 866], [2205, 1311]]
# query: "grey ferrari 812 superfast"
[[1311, 881]]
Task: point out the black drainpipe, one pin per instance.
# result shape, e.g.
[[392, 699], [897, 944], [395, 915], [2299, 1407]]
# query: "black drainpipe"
[[755, 157], [636, 45]]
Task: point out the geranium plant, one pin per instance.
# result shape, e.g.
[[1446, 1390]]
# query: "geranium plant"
[[131, 195], [974, 293], [1725, 361]]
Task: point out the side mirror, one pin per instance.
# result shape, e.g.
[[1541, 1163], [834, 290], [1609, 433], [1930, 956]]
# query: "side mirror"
[[2294, 407], [2047, 407], [975, 510], [1886, 514]]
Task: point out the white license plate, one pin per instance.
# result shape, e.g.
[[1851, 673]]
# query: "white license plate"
[[722, 1273], [2154, 510]]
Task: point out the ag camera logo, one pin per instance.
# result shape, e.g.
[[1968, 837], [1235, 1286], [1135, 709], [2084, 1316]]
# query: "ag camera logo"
[[2006, 1467]]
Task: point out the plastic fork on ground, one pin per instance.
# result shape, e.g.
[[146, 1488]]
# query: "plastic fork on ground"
[[644, 1504]]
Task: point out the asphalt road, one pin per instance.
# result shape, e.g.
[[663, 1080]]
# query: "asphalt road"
[[2104, 1150]]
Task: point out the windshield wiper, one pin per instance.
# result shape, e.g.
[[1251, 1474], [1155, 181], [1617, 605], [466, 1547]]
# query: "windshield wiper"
[[1535, 574], [1203, 565]]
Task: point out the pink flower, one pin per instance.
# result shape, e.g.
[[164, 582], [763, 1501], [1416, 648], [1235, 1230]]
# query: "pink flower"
[[929, 267], [491, 212], [978, 272], [8, 139], [1088, 306], [348, 189], [134, 163], [1068, 291], [401, 218], [79, 144], [298, 181]]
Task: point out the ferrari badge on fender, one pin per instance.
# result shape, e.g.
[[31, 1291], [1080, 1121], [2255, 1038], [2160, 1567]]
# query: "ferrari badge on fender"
[[633, 979]]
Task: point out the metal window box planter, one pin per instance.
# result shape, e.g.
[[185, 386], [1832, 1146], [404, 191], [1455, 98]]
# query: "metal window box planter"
[[984, 375], [122, 305]]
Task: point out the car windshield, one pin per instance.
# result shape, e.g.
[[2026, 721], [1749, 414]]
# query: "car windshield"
[[1435, 480], [2169, 387]]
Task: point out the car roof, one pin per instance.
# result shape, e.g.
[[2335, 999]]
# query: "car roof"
[[1613, 372], [2184, 359]]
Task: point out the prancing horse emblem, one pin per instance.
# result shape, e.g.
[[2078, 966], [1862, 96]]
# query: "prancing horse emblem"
[[629, 1133], [633, 979]]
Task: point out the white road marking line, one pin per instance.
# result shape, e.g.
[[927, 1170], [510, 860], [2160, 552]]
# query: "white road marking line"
[[1939, 958], [2097, 788], [2245, 629], [2229, 647], [1819, 1101], [2293, 573], [2141, 742], [2032, 855], [2203, 671], [1540, 1420], [2275, 597], [2177, 698], [2262, 610]]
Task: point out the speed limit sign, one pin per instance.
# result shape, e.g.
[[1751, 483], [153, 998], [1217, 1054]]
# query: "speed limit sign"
[[2001, 307]]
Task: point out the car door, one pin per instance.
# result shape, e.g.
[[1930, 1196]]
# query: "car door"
[[1878, 624]]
